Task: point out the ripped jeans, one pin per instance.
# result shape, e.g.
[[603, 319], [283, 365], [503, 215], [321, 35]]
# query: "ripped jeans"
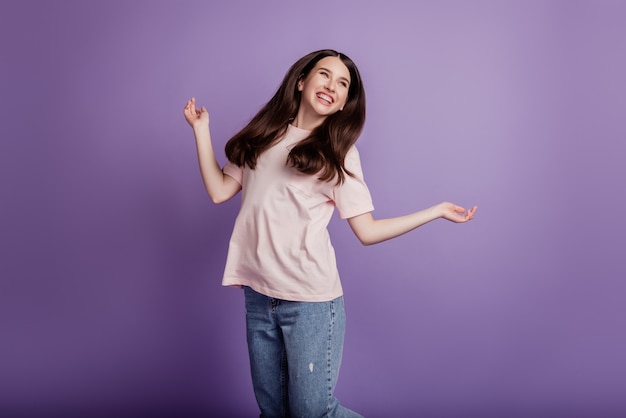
[[295, 351]]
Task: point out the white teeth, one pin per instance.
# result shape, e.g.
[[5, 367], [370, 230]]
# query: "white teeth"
[[325, 98]]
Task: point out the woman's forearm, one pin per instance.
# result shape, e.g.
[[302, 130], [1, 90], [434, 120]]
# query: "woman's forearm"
[[372, 231], [219, 186]]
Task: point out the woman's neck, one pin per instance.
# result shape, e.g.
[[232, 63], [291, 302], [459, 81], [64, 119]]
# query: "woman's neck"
[[308, 122]]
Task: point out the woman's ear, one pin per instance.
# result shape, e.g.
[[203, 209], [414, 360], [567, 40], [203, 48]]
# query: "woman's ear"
[[300, 84]]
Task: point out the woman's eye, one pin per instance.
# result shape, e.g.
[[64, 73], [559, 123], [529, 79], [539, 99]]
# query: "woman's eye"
[[343, 84], [324, 73]]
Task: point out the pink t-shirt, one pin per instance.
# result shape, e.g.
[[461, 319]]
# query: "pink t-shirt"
[[280, 246]]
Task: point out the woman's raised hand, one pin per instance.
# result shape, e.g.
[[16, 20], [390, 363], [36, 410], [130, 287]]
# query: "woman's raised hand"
[[195, 117], [456, 213]]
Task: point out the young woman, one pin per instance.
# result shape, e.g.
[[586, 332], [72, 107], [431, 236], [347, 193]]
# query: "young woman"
[[294, 163]]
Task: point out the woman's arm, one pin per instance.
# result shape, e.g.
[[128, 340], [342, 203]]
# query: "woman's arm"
[[220, 186], [372, 231]]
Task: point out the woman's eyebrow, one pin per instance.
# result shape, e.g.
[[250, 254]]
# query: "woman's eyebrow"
[[341, 78]]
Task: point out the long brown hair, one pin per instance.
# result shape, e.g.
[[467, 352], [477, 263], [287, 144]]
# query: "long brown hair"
[[325, 149]]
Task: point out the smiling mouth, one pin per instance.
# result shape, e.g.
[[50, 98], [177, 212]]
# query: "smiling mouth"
[[326, 98]]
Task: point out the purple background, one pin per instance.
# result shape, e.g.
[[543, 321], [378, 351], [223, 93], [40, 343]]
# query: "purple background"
[[112, 253]]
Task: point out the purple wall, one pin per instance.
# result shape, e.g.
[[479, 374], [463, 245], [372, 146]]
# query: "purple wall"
[[112, 254]]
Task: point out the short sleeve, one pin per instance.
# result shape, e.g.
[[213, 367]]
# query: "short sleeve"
[[352, 197], [234, 171]]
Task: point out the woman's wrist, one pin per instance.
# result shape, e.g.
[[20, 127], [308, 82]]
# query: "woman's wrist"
[[436, 211], [201, 131]]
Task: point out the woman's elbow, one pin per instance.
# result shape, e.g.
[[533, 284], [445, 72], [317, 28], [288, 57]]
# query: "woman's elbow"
[[222, 196], [366, 240], [220, 199], [363, 231]]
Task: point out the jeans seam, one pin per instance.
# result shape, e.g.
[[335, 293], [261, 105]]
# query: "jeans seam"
[[284, 385], [329, 371]]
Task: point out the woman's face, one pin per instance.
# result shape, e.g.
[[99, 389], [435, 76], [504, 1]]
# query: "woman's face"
[[325, 88]]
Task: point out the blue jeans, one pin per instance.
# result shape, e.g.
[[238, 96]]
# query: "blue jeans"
[[295, 351]]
